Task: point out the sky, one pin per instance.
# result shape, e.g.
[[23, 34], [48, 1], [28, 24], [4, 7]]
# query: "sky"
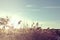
[[46, 12]]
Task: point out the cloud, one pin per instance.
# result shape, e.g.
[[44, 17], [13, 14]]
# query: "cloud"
[[51, 7], [28, 5]]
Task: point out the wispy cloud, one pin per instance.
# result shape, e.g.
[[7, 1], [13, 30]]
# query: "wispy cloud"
[[29, 6], [51, 7]]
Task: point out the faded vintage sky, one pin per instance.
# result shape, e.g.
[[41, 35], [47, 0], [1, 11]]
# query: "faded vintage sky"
[[47, 12]]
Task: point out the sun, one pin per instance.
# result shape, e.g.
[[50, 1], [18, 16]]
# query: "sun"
[[14, 21]]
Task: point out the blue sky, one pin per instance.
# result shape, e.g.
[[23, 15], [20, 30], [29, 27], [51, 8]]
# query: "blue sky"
[[46, 11]]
